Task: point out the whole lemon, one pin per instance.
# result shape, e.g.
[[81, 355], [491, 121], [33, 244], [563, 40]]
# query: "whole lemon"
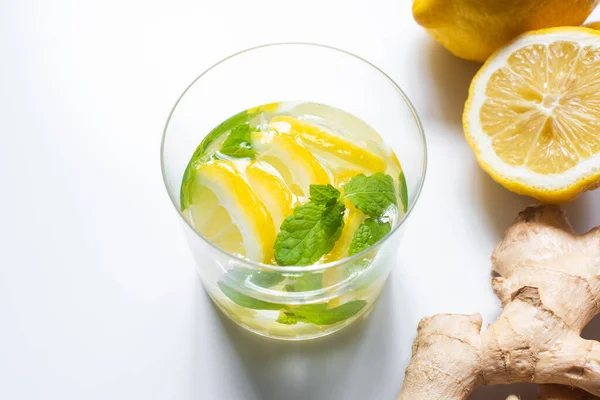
[[474, 29]]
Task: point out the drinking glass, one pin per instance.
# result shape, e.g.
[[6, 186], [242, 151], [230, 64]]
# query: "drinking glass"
[[243, 289]]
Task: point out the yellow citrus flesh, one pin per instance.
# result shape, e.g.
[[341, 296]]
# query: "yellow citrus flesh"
[[332, 144], [344, 175], [331, 276], [272, 191], [540, 114], [298, 167], [228, 212], [352, 220]]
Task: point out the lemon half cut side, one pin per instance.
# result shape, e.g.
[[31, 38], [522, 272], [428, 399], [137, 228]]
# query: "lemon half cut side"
[[533, 114]]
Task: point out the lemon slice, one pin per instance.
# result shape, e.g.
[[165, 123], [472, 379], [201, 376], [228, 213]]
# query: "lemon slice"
[[298, 167], [352, 221], [226, 211], [533, 114], [330, 144], [272, 191]]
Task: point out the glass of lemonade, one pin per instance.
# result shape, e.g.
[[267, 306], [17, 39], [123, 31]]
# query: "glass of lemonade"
[[294, 168]]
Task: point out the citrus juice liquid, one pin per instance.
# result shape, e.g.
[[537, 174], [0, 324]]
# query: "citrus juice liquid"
[[294, 184]]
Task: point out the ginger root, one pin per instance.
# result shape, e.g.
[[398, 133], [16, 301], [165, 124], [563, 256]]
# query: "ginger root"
[[548, 280]]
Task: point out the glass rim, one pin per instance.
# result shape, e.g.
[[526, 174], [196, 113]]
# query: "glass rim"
[[258, 266]]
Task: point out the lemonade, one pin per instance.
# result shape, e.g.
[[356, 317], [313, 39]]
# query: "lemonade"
[[294, 185]]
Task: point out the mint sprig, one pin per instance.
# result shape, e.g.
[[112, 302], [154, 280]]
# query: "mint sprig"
[[238, 143], [373, 195], [202, 150], [305, 283], [318, 314], [312, 230], [264, 279], [367, 234], [403, 192], [246, 301]]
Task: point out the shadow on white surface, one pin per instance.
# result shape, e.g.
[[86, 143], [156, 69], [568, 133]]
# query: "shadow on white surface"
[[351, 364], [497, 205], [584, 213], [451, 77]]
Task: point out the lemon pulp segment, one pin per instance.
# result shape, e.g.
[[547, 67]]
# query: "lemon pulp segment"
[[545, 114], [228, 212], [333, 144], [533, 114]]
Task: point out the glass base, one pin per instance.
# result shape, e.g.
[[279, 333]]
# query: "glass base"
[[253, 321]]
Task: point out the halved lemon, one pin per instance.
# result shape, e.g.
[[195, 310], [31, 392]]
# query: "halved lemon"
[[533, 114], [224, 209]]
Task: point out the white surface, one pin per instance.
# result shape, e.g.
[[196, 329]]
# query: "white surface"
[[98, 295]]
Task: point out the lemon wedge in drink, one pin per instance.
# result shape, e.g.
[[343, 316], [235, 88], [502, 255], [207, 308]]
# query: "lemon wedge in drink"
[[272, 191], [533, 114], [330, 145], [296, 164], [226, 211]]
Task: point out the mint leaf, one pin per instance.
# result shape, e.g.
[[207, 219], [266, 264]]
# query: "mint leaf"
[[185, 196], [264, 279], [403, 191], [305, 283], [224, 127], [309, 233], [239, 142], [373, 195], [367, 234], [324, 194], [317, 314], [246, 301]]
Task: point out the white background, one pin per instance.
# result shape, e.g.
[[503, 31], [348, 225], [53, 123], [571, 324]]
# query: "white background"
[[98, 294]]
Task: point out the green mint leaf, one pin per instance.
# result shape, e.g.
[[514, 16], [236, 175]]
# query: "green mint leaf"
[[309, 233], [367, 234], [264, 279], [305, 283], [246, 301], [403, 191], [373, 195], [324, 194], [185, 193], [224, 127], [317, 314], [239, 142]]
